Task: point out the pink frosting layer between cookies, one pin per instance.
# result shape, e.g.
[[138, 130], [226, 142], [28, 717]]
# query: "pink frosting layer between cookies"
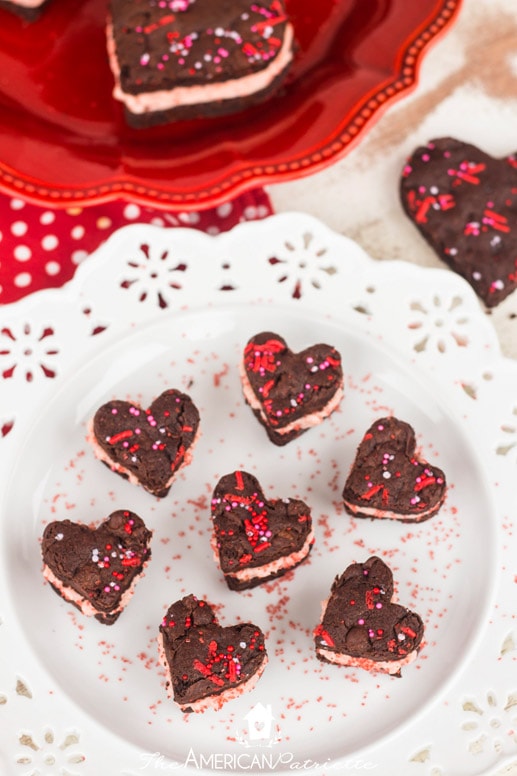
[[73, 597], [308, 421], [385, 666], [212, 701], [26, 3], [390, 515], [166, 99], [281, 564], [116, 467]]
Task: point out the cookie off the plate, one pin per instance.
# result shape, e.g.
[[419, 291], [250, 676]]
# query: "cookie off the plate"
[[389, 479], [464, 203], [184, 59], [96, 568], [290, 392], [361, 627], [147, 446], [208, 664], [256, 539]]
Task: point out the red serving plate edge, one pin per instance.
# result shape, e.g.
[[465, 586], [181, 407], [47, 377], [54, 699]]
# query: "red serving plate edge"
[[344, 138]]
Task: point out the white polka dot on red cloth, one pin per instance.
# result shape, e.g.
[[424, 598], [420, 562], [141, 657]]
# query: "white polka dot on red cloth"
[[77, 232], [131, 212], [17, 204], [49, 242], [189, 218], [52, 268], [19, 228], [79, 256], [23, 279], [48, 217], [224, 210], [22, 253]]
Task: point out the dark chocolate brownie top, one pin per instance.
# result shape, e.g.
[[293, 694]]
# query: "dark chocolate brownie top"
[[150, 443], [162, 44], [387, 476], [251, 530], [204, 657], [464, 202], [98, 563], [288, 385], [360, 620]]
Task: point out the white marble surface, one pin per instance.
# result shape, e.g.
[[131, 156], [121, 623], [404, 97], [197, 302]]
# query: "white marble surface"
[[467, 88]]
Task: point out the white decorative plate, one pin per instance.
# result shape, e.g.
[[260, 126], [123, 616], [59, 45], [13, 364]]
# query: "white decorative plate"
[[156, 308]]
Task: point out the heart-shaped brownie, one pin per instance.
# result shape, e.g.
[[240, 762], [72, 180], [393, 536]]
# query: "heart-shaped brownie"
[[290, 392], [389, 480], [208, 664], [146, 446], [464, 202], [182, 59], [361, 627], [256, 539], [96, 568]]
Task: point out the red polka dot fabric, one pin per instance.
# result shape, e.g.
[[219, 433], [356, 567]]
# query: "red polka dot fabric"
[[42, 247]]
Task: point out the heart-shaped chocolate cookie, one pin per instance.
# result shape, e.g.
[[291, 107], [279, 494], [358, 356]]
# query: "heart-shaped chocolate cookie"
[[464, 202], [181, 59], [146, 446], [389, 480], [96, 568], [361, 627], [290, 392], [256, 539], [208, 664]]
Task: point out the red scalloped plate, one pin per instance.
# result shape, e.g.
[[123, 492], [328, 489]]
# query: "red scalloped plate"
[[63, 139]]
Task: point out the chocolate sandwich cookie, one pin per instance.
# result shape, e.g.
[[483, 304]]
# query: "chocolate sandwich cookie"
[[256, 539], [290, 392], [389, 480], [208, 664], [362, 628], [185, 59], [464, 203], [96, 569], [146, 446], [29, 10]]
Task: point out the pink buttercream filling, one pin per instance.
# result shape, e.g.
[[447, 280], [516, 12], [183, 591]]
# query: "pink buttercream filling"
[[281, 564], [308, 421], [86, 607], [387, 666], [27, 3], [102, 455], [165, 99], [389, 514], [213, 701]]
